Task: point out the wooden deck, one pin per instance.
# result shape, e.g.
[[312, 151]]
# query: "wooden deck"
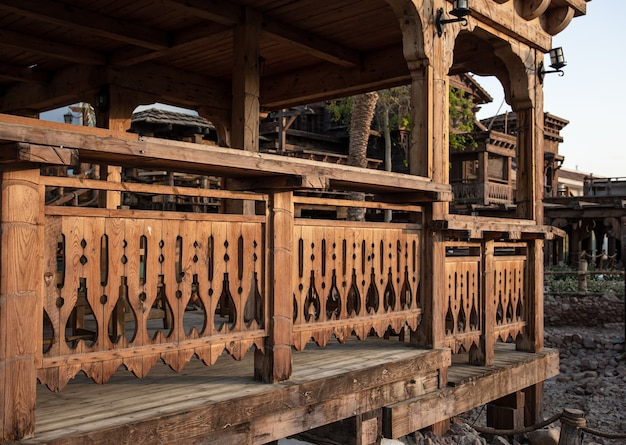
[[223, 404]]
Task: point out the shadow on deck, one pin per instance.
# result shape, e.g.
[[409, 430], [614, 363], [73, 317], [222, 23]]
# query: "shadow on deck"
[[223, 404]]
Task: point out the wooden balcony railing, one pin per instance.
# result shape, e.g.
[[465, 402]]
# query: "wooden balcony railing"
[[128, 287], [485, 193], [475, 306]]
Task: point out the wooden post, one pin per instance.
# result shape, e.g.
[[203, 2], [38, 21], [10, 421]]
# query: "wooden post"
[[532, 340], [21, 312], [582, 276], [246, 90], [484, 356], [117, 116], [275, 363], [431, 331], [571, 421]]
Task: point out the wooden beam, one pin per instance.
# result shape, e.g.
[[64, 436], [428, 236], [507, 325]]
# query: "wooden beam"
[[21, 74], [50, 48], [173, 86], [327, 80], [181, 41], [412, 415], [44, 154], [99, 145], [70, 85], [310, 43], [218, 11], [287, 182], [74, 18]]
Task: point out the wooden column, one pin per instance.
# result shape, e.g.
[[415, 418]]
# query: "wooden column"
[[246, 83], [21, 312], [117, 115], [532, 340], [431, 331], [484, 355], [275, 363], [246, 90], [530, 163]]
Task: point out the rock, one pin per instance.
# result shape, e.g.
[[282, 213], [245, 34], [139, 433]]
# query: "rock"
[[499, 440], [549, 436]]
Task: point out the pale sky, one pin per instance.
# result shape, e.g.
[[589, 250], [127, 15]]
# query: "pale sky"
[[588, 95]]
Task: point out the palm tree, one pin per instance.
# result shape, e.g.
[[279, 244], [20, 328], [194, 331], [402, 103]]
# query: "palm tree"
[[363, 107]]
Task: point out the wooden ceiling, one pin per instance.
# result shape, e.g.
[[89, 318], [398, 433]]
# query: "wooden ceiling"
[[56, 52]]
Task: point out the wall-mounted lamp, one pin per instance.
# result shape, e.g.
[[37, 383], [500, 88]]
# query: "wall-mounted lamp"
[[68, 117], [461, 9], [557, 61], [102, 100]]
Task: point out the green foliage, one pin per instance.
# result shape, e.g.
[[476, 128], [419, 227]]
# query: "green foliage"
[[461, 120], [568, 283], [396, 102], [341, 110]]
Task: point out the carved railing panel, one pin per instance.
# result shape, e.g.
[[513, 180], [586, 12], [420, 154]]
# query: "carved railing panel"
[[463, 301], [499, 193], [354, 278], [119, 288], [509, 290]]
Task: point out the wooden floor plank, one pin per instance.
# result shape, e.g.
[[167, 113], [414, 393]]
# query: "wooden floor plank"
[[167, 405]]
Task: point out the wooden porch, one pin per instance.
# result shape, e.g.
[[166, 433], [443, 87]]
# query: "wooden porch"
[[91, 282], [224, 404]]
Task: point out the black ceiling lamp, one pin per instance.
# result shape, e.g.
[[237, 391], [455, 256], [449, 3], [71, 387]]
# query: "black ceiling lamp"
[[557, 61], [460, 11]]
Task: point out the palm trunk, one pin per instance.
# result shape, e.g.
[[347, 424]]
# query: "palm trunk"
[[363, 107]]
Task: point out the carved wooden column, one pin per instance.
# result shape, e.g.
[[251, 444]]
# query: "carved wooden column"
[[429, 157], [21, 310], [275, 363]]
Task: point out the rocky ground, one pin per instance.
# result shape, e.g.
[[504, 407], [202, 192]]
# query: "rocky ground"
[[593, 377]]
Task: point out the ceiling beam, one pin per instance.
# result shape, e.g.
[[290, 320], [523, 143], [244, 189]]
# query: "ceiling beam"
[[218, 11], [75, 84], [74, 18], [80, 83], [225, 13], [310, 43], [21, 74], [383, 69], [180, 41], [49, 48]]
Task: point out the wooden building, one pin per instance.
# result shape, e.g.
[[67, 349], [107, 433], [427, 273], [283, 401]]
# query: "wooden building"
[[387, 327]]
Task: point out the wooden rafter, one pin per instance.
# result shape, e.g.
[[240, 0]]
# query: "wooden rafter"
[[75, 18], [50, 48], [22, 74]]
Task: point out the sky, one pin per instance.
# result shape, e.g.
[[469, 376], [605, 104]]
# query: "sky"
[[589, 95]]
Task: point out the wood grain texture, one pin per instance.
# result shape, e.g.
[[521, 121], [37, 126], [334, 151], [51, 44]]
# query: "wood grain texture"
[[21, 269]]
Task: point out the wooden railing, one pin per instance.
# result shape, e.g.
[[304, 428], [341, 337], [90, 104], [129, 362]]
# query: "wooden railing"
[[483, 193], [486, 293], [121, 280], [355, 277], [129, 287]]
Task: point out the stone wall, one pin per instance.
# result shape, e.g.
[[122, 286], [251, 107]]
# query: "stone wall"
[[583, 310]]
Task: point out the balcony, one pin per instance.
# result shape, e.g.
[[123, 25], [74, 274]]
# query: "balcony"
[[287, 297]]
